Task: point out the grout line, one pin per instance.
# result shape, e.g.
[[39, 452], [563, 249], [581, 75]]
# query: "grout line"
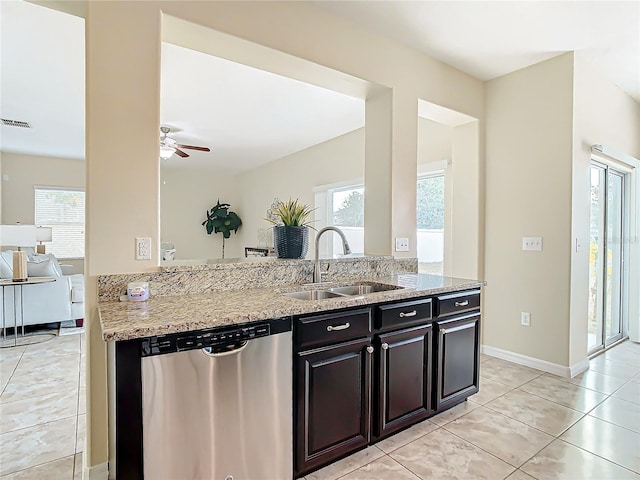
[[611, 423], [37, 465], [596, 455]]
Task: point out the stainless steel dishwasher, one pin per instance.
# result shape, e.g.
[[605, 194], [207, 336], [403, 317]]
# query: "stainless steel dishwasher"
[[217, 404]]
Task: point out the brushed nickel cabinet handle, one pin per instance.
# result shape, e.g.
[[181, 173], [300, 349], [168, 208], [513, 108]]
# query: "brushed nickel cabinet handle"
[[462, 304], [409, 314], [331, 328], [369, 349], [385, 346]]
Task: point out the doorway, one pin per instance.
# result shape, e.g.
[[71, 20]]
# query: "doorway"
[[607, 253]]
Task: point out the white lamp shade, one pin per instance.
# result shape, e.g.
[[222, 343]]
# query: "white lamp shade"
[[44, 234], [166, 152], [18, 235]]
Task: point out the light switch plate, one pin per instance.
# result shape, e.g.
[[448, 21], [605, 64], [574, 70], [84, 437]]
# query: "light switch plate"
[[532, 243], [402, 244], [525, 319]]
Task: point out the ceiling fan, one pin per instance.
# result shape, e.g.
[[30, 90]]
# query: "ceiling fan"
[[168, 146]]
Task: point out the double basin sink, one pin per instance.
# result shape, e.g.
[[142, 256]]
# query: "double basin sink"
[[357, 289]]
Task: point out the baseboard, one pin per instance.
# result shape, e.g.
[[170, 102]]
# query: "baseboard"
[[97, 472], [554, 368], [578, 368]]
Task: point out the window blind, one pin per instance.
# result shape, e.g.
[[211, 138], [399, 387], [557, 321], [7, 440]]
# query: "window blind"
[[62, 209]]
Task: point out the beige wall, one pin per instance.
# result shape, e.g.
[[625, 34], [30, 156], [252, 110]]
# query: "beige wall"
[[186, 195], [603, 114], [296, 176], [528, 193], [123, 59], [26, 171]]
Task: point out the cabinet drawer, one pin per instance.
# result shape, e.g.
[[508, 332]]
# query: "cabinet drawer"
[[457, 303], [332, 328], [403, 314]]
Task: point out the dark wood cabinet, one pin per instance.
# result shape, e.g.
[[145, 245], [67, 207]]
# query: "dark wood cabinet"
[[458, 359], [355, 385], [333, 403], [403, 379]]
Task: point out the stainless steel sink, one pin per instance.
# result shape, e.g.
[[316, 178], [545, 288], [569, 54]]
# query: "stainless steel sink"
[[343, 291], [313, 295], [363, 288]]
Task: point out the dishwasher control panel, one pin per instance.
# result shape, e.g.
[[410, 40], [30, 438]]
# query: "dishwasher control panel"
[[180, 342]]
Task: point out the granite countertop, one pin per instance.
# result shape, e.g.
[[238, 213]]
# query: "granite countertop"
[[171, 314]]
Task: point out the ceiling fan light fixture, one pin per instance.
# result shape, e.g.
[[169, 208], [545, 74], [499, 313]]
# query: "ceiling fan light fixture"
[[166, 152]]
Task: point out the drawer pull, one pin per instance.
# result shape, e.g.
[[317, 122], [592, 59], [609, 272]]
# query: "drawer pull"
[[413, 313], [369, 349], [385, 346], [462, 304], [331, 328]]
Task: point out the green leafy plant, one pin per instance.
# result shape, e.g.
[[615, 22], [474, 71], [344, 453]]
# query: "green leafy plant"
[[291, 213], [221, 220]]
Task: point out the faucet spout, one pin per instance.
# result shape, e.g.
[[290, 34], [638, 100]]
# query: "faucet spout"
[[317, 275]]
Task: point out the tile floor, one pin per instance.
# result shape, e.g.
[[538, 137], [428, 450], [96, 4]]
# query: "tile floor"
[[42, 410], [523, 425]]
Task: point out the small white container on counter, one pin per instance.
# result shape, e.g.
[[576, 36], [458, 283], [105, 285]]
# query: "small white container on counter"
[[138, 291]]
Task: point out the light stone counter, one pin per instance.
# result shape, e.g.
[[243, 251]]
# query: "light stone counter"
[[180, 313]]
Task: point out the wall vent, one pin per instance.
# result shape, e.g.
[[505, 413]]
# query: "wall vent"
[[15, 123]]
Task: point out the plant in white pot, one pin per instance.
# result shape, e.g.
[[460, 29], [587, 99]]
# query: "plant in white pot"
[[291, 230]]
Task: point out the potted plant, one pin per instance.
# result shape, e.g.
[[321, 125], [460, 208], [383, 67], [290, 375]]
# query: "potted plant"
[[291, 230], [221, 220]]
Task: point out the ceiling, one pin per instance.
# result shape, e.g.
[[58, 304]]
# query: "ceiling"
[[248, 116], [490, 39]]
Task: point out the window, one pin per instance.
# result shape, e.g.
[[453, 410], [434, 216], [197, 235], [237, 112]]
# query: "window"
[[430, 221], [62, 209], [341, 206]]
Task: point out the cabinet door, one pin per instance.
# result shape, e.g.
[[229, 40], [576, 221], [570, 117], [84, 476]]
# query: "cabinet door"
[[458, 353], [403, 378], [333, 403]]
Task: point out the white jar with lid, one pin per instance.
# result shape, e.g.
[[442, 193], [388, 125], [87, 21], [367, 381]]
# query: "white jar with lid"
[[138, 291]]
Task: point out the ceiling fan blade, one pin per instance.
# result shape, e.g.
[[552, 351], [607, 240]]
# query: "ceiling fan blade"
[[202, 149], [181, 153]]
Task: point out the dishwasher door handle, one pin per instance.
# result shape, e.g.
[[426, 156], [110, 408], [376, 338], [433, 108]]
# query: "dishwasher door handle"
[[207, 351]]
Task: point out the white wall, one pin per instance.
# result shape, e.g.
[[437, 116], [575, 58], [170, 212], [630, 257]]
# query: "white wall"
[[528, 193], [603, 114]]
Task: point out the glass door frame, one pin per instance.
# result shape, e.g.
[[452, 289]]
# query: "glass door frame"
[[603, 303]]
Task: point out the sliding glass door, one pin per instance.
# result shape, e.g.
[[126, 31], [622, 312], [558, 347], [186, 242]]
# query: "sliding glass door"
[[606, 259]]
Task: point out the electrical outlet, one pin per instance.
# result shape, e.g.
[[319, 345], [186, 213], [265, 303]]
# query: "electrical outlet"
[[402, 244], [525, 319], [532, 243], [143, 248]]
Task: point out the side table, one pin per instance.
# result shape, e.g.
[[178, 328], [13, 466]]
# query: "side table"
[[17, 297]]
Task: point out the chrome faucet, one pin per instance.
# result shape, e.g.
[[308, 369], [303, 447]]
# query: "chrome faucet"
[[317, 275]]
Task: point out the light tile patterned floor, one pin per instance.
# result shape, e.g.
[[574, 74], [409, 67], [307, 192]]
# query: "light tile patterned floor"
[[42, 410], [523, 425]]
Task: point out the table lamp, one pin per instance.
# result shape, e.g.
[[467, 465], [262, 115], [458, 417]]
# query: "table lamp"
[[18, 236], [43, 234]]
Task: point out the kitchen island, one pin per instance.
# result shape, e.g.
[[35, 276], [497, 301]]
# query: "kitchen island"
[[386, 359]]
